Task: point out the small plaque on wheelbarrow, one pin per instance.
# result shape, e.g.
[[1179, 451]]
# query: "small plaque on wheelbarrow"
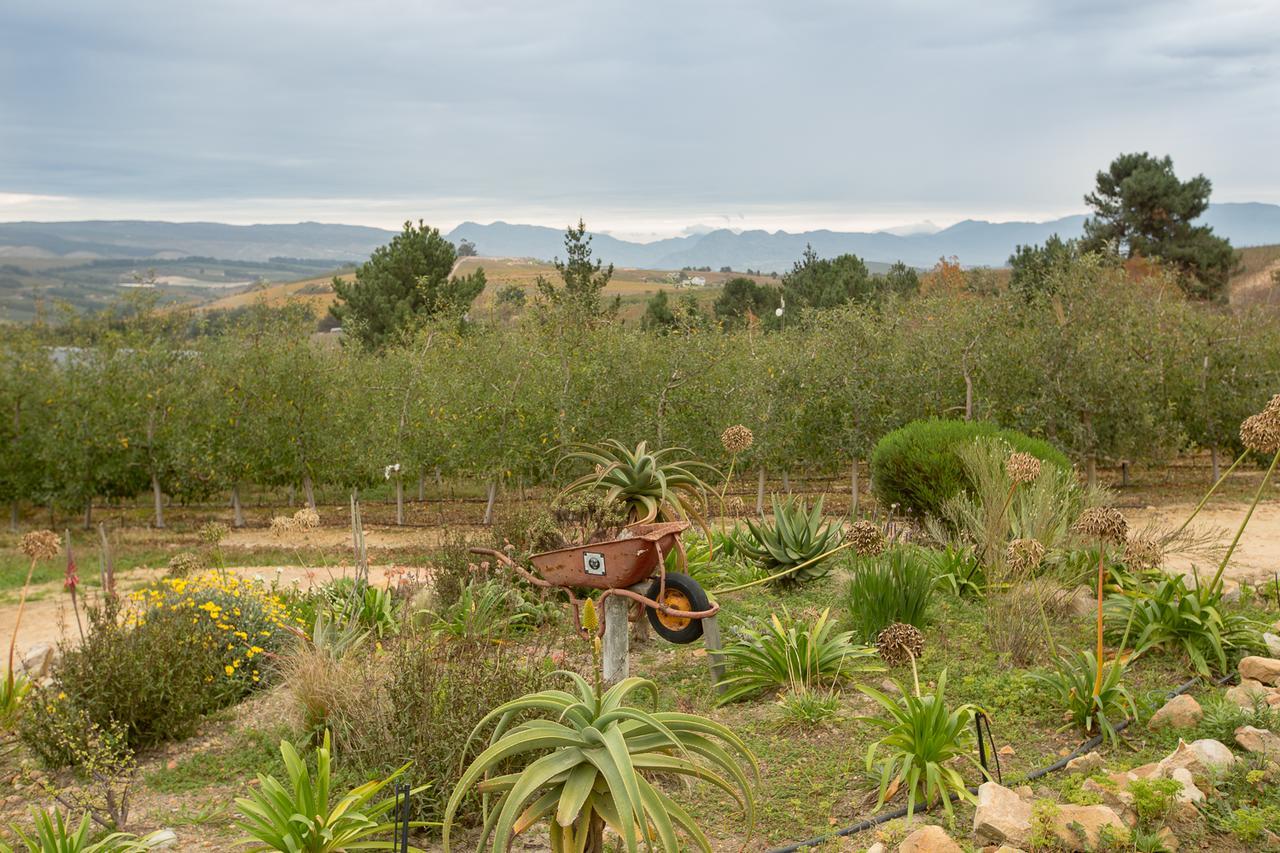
[[593, 563]]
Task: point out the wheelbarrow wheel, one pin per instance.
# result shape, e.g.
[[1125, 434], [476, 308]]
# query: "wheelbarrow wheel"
[[682, 593]]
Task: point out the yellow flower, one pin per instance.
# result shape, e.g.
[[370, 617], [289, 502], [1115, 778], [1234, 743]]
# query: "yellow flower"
[[230, 670]]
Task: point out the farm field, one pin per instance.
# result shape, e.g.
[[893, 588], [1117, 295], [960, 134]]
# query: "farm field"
[[813, 780]]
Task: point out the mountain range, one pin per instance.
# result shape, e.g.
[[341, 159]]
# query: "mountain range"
[[974, 242]]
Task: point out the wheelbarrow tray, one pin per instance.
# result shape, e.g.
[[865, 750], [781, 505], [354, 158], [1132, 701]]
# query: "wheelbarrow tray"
[[612, 564]]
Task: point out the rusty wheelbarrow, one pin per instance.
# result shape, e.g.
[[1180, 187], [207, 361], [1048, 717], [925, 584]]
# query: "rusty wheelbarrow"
[[675, 603]]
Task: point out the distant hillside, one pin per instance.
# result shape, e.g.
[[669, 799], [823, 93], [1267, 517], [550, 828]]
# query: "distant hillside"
[[974, 242], [171, 240]]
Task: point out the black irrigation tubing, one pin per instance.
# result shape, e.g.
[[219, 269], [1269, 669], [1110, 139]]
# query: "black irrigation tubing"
[[868, 823]]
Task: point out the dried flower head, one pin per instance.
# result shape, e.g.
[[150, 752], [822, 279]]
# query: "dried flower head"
[[306, 519], [1273, 405], [1022, 467], [737, 438], [1102, 522], [1142, 553], [41, 544], [1261, 432], [281, 524], [184, 563], [900, 643], [1024, 555], [867, 538], [213, 532]]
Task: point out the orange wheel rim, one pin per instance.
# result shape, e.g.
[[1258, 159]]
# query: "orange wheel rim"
[[676, 600]]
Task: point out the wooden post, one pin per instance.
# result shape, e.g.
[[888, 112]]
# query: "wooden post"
[[236, 508], [309, 490], [760, 492], [157, 497], [399, 499], [711, 640], [853, 491], [617, 638], [493, 497]]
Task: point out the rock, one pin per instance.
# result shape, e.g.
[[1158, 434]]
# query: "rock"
[[1078, 828], [1273, 644], [164, 839], [878, 847], [1116, 796], [1001, 815], [1167, 839], [1006, 751], [1180, 712], [890, 688], [1247, 693], [1257, 740], [1081, 601], [1005, 848], [929, 839], [1189, 793], [1085, 764], [1266, 670], [1146, 771], [38, 659], [1206, 760], [1025, 792]]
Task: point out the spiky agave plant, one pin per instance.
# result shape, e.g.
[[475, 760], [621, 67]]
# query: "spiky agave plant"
[[796, 536], [584, 759], [652, 484]]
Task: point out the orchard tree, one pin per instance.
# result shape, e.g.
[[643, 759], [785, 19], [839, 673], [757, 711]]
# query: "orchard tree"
[[900, 280], [404, 284], [1142, 209], [1031, 265], [24, 378]]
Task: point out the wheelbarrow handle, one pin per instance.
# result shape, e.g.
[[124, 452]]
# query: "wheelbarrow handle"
[[513, 565]]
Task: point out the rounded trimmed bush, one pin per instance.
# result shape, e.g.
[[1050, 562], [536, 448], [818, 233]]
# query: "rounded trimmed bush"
[[916, 466]]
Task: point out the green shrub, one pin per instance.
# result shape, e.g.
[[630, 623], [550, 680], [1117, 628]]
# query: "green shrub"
[[418, 701], [792, 653], [1071, 684], [895, 586], [796, 536], [917, 468]]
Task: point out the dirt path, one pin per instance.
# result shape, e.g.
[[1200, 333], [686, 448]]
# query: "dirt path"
[[1256, 558], [48, 617]]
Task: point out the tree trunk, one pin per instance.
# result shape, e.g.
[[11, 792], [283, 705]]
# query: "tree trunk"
[[853, 490], [595, 835], [157, 497], [1213, 463], [309, 491], [236, 509], [760, 492], [493, 498], [1124, 474], [422, 486], [288, 495], [399, 499], [786, 482], [1091, 470]]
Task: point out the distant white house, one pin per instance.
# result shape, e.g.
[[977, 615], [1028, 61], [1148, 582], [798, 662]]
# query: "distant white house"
[[697, 281]]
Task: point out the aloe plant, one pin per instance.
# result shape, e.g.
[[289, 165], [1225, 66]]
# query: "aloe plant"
[[1093, 711], [922, 743], [584, 759], [302, 819], [650, 483], [796, 536], [791, 653], [53, 834]]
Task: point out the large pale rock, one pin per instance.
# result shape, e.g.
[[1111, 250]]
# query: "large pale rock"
[[1247, 693], [1266, 670], [1081, 601], [1168, 840], [1085, 764], [1189, 793], [1115, 795], [1180, 712], [1257, 740], [38, 659], [1001, 815], [1206, 760], [1078, 828], [878, 847], [1005, 848], [1272, 642], [929, 839]]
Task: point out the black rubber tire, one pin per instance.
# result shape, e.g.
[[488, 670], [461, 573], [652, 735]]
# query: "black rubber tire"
[[697, 601]]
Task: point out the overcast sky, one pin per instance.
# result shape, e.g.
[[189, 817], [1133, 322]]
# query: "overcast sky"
[[645, 118]]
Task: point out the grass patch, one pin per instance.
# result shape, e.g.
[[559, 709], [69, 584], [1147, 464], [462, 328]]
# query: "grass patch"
[[253, 752]]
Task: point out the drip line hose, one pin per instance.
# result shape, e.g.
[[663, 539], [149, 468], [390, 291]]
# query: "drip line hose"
[[868, 823]]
